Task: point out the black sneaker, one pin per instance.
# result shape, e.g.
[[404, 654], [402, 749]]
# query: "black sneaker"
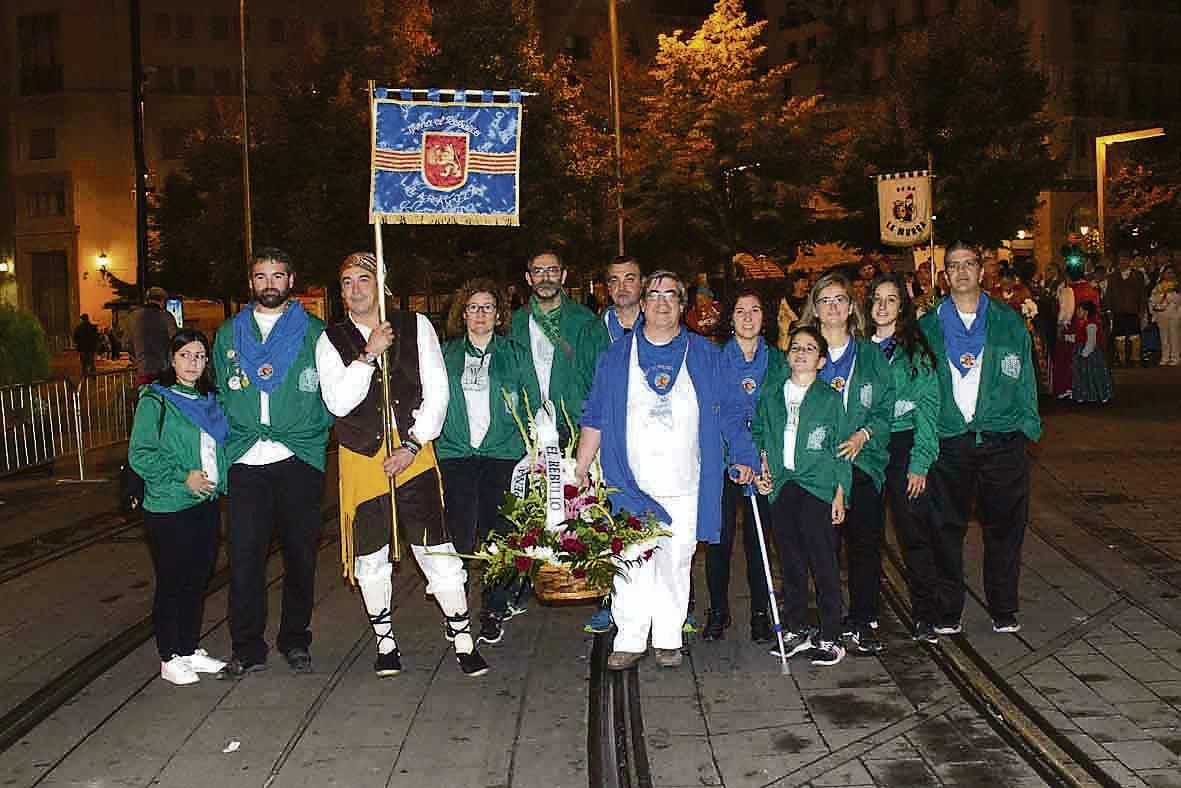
[[491, 628], [849, 627], [950, 627], [866, 641], [826, 653], [716, 622], [795, 642], [1006, 624], [472, 664], [236, 669], [760, 627], [388, 664], [299, 660], [924, 633]]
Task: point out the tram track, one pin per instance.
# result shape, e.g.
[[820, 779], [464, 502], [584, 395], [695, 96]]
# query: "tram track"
[[62, 688], [21, 558], [616, 752]]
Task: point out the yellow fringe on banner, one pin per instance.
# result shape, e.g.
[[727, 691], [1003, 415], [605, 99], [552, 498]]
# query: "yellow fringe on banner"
[[497, 219]]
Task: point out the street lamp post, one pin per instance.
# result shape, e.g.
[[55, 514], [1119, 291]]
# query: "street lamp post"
[[247, 222], [613, 25], [1101, 143]]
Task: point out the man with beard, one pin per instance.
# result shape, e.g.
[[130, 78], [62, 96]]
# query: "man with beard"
[[265, 366], [347, 356], [550, 326]]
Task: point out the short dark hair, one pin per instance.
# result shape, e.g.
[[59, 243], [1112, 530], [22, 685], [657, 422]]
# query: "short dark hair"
[[271, 254], [543, 253], [812, 331], [181, 338], [961, 246], [622, 259]]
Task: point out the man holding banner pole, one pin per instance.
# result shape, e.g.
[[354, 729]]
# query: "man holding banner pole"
[[347, 358]]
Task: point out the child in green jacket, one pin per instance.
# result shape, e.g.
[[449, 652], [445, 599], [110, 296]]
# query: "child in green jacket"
[[797, 425]]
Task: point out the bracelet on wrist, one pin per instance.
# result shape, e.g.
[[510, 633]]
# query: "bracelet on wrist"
[[411, 445]]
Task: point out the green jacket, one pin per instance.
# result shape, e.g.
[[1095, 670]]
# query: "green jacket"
[[1007, 401], [871, 405], [573, 368], [509, 372], [822, 426], [916, 407], [299, 418], [164, 452]]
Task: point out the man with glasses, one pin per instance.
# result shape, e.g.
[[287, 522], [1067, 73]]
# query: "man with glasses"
[[550, 327], [657, 412], [988, 412], [348, 358], [265, 369]]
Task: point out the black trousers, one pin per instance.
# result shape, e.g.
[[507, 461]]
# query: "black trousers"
[[473, 490], [282, 497], [184, 548], [862, 535], [994, 474], [915, 527], [420, 516], [805, 535], [718, 556]]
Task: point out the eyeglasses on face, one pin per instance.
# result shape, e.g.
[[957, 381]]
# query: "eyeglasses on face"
[[963, 265], [837, 300], [552, 271], [665, 296], [803, 350], [480, 309]]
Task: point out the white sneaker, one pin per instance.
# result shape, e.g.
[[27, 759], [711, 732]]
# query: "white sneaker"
[[177, 671], [201, 662]]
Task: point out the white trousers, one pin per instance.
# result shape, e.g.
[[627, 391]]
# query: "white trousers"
[[653, 598], [1170, 337]]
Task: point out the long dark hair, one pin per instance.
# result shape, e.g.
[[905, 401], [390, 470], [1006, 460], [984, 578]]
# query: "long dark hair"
[[746, 292], [180, 339], [906, 327]]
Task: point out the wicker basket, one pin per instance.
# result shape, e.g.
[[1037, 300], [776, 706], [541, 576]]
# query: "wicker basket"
[[555, 585]]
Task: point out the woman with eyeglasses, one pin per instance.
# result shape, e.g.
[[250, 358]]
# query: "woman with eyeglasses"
[[914, 443], [747, 357], [178, 447], [490, 376], [857, 370]]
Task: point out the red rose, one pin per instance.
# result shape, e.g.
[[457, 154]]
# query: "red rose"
[[512, 542], [529, 540], [648, 554], [572, 544], [535, 533], [569, 492], [578, 573], [602, 528], [616, 545], [523, 563], [635, 523]]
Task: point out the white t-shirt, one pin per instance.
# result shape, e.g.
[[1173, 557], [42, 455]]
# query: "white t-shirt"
[[476, 395], [543, 356], [966, 388], [264, 452], [793, 398]]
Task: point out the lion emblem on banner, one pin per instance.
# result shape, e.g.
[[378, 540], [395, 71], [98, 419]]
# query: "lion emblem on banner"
[[444, 159]]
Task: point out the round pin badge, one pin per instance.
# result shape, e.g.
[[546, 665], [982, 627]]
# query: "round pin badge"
[[234, 382], [265, 372]]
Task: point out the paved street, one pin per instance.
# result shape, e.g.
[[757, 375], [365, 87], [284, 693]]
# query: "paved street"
[[1097, 663]]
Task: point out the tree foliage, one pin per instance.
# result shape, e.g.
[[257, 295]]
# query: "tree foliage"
[[24, 356], [964, 89], [1146, 198], [724, 163]]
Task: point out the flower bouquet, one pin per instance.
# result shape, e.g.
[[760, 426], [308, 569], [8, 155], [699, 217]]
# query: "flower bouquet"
[[568, 541]]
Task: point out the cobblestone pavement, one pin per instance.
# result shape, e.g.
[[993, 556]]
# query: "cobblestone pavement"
[[1099, 657]]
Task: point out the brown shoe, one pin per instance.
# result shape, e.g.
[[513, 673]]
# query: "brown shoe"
[[622, 660], [668, 657]]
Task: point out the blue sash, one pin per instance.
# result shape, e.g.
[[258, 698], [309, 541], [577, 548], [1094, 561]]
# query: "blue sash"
[[965, 347], [203, 411], [661, 363], [266, 363]]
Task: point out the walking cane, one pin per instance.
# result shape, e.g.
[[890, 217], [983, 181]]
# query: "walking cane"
[[775, 625]]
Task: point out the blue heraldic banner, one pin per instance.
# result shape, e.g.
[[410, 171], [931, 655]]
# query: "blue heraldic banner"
[[454, 162]]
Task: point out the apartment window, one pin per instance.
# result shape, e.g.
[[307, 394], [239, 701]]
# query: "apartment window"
[[186, 79], [219, 28], [277, 31], [38, 39], [46, 204], [184, 27], [163, 25], [223, 85], [173, 143], [43, 144]]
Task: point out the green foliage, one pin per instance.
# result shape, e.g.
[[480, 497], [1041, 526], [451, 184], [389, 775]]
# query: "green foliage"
[[1146, 197], [724, 164], [24, 356], [966, 90]]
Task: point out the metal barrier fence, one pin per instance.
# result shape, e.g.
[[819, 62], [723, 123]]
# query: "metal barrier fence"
[[47, 420]]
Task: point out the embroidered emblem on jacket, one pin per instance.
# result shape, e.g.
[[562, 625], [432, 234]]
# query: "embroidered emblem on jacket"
[[866, 395], [1011, 366], [309, 380], [902, 407], [816, 438]]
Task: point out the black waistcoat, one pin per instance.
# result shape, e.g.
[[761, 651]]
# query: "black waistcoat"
[[361, 429]]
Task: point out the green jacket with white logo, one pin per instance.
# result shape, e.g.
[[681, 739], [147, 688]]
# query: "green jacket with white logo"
[[1007, 401], [822, 426], [871, 405], [509, 372], [164, 450], [299, 419], [916, 407]]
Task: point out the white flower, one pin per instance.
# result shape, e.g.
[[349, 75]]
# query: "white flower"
[[540, 553], [1028, 309], [493, 549]]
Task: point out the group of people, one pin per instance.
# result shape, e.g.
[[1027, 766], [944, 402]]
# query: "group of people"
[[866, 405]]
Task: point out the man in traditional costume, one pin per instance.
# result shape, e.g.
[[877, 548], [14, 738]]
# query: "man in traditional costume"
[[264, 362], [988, 412], [347, 358]]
